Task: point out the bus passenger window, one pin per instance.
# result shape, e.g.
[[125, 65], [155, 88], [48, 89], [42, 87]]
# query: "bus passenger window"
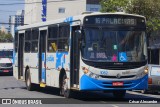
[[66, 47], [34, 40], [63, 45], [63, 37], [52, 38], [36, 49], [53, 47]]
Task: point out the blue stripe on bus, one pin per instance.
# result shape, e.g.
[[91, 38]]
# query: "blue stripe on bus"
[[43, 57], [69, 19], [14, 56], [87, 83], [60, 59], [43, 74]]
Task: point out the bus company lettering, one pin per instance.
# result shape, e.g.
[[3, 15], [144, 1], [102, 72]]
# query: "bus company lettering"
[[50, 58]]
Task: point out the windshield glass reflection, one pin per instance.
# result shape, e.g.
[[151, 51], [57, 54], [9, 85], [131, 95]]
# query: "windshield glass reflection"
[[114, 46]]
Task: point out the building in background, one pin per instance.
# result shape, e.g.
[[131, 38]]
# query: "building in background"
[[44, 10], [3, 29], [93, 5], [15, 21]]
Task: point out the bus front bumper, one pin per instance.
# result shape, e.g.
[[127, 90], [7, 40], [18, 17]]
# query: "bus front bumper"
[[87, 83]]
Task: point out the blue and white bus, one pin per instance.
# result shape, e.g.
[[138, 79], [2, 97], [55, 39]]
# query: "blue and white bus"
[[89, 52]]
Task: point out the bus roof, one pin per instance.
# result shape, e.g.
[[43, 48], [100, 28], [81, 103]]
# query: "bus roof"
[[79, 17], [6, 46]]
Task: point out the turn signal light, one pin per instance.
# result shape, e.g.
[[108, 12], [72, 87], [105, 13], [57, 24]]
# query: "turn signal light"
[[85, 70], [149, 80]]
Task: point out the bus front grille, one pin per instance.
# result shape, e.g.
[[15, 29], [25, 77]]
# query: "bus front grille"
[[113, 77]]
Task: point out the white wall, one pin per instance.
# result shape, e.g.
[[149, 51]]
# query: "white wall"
[[71, 8], [33, 11]]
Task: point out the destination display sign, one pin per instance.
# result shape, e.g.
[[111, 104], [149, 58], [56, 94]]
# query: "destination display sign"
[[116, 21], [113, 20]]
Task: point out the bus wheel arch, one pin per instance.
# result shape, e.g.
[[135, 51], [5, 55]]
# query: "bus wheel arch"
[[63, 84]]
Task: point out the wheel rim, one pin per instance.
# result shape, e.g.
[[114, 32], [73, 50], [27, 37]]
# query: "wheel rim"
[[28, 82]]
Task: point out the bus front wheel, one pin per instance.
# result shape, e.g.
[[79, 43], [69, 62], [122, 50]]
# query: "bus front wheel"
[[29, 85], [119, 94]]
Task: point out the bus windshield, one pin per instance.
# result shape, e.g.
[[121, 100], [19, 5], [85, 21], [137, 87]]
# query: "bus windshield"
[[113, 46], [6, 54]]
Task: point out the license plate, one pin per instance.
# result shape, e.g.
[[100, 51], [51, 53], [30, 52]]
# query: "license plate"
[[5, 70], [117, 84]]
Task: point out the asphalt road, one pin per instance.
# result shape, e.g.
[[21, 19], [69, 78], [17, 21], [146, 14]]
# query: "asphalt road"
[[12, 88]]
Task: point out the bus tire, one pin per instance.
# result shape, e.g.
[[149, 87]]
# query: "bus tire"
[[29, 85], [119, 94], [64, 91]]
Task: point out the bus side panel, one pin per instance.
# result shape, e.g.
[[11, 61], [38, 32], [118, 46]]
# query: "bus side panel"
[[54, 80], [51, 72], [31, 60], [54, 63]]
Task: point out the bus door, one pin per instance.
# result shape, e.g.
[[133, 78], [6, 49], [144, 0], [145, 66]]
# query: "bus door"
[[20, 55], [42, 56], [74, 59]]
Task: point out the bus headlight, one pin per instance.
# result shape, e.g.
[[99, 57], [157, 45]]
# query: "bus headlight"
[[146, 70], [89, 73], [92, 75], [143, 73]]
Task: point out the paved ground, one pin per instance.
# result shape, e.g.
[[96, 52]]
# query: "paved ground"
[[12, 88]]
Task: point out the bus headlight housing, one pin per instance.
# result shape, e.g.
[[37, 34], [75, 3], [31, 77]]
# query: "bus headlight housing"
[[89, 73], [92, 75], [145, 72]]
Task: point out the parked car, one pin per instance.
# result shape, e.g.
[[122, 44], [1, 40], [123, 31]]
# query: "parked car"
[[153, 78]]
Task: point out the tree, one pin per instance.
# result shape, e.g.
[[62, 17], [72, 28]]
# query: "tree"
[[5, 37], [113, 5], [148, 8]]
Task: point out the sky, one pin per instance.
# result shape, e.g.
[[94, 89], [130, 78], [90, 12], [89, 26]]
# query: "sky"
[[7, 10]]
